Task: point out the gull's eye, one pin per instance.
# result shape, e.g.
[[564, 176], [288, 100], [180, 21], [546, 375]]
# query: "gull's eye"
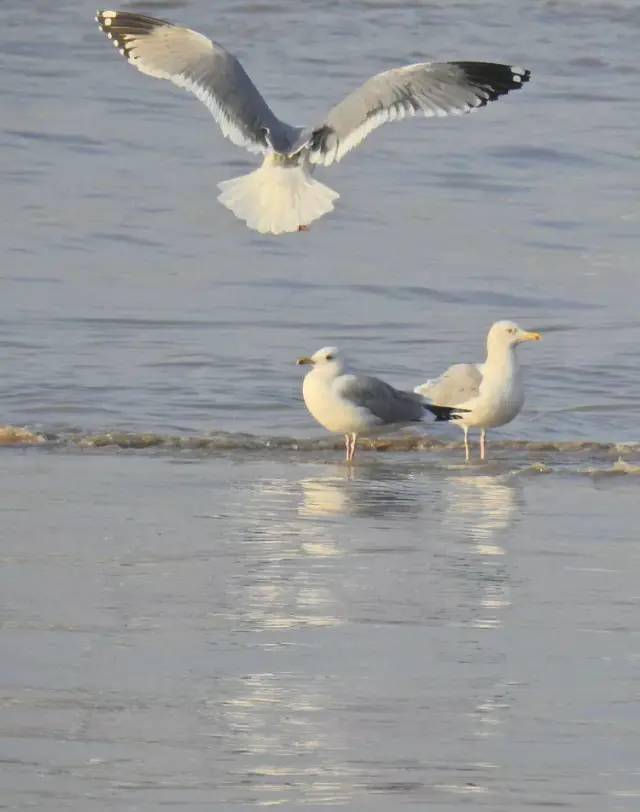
[[329, 357], [512, 330]]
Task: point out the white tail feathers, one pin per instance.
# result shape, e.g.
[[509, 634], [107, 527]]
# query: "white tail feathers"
[[277, 198]]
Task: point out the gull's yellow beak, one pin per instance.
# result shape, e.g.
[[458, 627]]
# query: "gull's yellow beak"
[[304, 360], [530, 336]]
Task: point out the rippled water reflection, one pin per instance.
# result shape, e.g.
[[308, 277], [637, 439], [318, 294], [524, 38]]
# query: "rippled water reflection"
[[254, 633]]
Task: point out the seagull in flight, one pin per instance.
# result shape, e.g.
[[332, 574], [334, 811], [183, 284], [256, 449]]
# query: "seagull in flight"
[[282, 195]]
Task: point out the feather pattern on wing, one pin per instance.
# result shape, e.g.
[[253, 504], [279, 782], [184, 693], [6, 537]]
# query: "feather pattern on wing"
[[204, 68], [388, 404], [426, 89]]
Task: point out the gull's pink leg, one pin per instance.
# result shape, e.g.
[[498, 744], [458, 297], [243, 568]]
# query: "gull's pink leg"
[[353, 446], [347, 445], [482, 443], [466, 443]]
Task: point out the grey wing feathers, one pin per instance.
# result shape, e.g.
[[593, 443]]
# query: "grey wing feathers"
[[427, 89], [382, 400], [459, 384], [192, 61]]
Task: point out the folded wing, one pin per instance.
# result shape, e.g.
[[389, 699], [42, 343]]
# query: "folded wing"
[[389, 405], [425, 89], [455, 387]]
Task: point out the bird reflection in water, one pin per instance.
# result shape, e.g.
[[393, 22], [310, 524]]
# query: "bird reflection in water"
[[374, 491], [292, 570], [291, 745], [481, 507], [484, 510], [286, 599], [287, 578]]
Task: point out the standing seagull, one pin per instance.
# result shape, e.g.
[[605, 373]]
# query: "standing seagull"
[[492, 393], [352, 404], [281, 195]]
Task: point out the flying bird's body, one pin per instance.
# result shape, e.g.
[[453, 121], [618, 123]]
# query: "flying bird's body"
[[282, 196], [491, 394]]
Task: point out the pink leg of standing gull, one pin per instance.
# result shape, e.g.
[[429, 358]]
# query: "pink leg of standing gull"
[[352, 448]]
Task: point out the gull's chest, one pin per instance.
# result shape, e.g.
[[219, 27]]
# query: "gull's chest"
[[501, 399], [331, 410]]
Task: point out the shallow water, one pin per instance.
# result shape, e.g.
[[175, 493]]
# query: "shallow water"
[[202, 605], [239, 632]]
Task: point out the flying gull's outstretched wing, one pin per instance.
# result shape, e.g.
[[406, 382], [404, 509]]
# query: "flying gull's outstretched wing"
[[213, 75], [426, 89]]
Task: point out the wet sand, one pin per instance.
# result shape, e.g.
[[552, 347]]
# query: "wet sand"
[[229, 630]]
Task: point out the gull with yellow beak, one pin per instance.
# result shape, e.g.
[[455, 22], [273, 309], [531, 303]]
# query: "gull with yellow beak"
[[354, 404], [490, 394]]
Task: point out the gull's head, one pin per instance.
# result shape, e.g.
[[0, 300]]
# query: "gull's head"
[[327, 360], [508, 334]]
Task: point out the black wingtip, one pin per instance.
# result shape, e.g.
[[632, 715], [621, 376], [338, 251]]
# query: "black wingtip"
[[494, 79], [444, 413], [123, 28]]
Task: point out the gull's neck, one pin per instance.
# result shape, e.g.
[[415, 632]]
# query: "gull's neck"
[[327, 372], [501, 360]]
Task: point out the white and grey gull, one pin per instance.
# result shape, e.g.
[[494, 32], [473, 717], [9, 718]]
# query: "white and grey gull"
[[490, 394], [282, 196], [349, 404]]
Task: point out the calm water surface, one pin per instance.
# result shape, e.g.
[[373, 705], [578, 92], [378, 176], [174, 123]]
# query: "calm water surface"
[[224, 633], [238, 620]]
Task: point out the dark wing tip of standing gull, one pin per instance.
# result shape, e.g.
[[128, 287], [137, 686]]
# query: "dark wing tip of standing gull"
[[495, 80], [444, 413], [123, 26]]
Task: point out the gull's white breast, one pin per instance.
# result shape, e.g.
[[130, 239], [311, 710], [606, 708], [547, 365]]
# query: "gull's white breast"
[[330, 409], [499, 400]]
